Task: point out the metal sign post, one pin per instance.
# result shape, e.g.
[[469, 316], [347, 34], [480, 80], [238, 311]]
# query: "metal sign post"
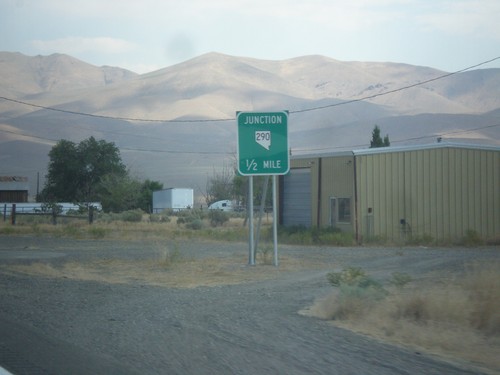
[[275, 223], [262, 150], [251, 249]]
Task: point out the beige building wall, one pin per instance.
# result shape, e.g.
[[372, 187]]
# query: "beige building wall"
[[441, 192], [337, 183], [331, 178]]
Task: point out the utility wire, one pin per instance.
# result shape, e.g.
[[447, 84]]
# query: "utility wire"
[[232, 119], [126, 148], [397, 141], [396, 90], [297, 150]]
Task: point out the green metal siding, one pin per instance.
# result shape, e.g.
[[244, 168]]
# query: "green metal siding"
[[441, 192]]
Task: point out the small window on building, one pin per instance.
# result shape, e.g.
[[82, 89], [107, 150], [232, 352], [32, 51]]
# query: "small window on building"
[[344, 213]]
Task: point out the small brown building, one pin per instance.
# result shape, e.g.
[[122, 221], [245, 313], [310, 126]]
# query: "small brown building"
[[13, 189]]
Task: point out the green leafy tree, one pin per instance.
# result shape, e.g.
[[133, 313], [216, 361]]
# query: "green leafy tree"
[[146, 194], [75, 170], [377, 140], [118, 193]]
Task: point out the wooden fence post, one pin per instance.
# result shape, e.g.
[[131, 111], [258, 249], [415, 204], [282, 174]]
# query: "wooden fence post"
[[13, 214], [54, 214]]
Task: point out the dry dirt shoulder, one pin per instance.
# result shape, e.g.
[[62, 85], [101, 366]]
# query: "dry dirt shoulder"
[[191, 307]]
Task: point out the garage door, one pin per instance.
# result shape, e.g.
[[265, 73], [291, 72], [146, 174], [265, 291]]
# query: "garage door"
[[297, 198]]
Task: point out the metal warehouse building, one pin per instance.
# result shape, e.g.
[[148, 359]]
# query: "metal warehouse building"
[[440, 190]]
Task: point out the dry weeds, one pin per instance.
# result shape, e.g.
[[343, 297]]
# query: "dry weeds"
[[457, 318], [177, 273]]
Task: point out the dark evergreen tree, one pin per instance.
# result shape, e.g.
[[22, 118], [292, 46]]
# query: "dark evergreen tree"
[[377, 140]]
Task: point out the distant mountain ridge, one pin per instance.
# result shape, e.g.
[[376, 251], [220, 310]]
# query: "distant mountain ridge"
[[333, 105], [40, 74]]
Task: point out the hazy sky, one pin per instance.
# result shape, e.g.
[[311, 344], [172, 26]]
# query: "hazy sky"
[[145, 35]]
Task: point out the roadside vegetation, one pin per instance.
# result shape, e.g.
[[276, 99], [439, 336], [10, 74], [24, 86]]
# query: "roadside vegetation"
[[454, 315], [93, 171], [205, 224]]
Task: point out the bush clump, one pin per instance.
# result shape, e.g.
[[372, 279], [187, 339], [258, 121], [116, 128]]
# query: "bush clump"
[[472, 238], [357, 292], [302, 235], [133, 216], [195, 224], [399, 279], [218, 217]]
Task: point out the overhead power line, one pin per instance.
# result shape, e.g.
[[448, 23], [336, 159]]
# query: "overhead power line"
[[232, 119], [399, 140], [396, 90]]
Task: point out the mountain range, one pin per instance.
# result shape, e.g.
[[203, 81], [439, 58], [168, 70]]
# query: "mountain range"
[[177, 125]]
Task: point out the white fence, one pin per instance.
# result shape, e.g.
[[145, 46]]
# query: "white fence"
[[40, 208]]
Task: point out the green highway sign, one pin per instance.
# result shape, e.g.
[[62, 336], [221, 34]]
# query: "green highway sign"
[[263, 143]]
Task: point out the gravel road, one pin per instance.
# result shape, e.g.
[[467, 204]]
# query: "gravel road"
[[84, 325]]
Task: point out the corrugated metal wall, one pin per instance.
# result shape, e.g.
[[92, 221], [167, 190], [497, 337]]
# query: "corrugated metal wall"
[[288, 209], [337, 181], [297, 198], [441, 192]]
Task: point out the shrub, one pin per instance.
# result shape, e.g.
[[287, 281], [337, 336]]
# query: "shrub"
[[399, 279], [420, 240], [337, 239], [132, 215], [302, 235], [97, 232], [472, 238], [69, 230], [266, 254], [167, 257], [349, 276], [196, 224], [357, 292], [218, 217]]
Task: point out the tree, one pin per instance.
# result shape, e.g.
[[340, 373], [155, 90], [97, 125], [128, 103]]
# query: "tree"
[[119, 193], [146, 194], [220, 185], [377, 141], [75, 170]]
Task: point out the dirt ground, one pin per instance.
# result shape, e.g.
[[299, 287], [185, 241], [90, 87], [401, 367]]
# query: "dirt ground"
[[191, 307]]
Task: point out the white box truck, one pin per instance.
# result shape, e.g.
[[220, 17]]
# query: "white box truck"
[[172, 198]]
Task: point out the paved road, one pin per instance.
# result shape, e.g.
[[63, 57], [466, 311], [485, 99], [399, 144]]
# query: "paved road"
[[62, 326]]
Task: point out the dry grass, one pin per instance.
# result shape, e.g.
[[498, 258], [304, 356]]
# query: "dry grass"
[[231, 231], [167, 269], [185, 273], [457, 318]]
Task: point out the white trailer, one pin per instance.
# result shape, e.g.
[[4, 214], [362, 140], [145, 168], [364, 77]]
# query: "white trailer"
[[172, 198], [223, 205]]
